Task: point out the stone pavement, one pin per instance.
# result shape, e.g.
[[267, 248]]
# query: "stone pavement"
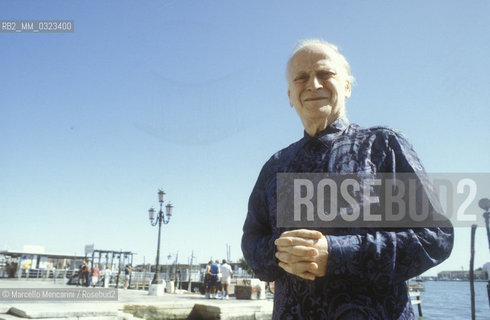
[[130, 304]]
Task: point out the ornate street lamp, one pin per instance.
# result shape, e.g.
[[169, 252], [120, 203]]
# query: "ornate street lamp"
[[485, 205], [159, 219]]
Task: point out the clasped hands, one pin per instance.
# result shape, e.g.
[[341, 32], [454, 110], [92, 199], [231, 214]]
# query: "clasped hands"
[[303, 253]]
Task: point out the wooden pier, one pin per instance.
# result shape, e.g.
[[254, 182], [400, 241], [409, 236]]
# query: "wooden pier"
[[415, 299]]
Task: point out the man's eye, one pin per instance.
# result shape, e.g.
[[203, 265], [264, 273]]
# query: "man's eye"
[[301, 78], [325, 74]]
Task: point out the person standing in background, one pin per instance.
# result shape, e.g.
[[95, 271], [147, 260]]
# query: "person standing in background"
[[127, 275], [95, 275], [226, 274], [88, 272], [107, 276], [214, 271]]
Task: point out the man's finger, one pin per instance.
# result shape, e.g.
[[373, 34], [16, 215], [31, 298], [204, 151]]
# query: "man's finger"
[[299, 268], [307, 276], [303, 233], [294, 269], [290, 258], [294, 241], [301, 251]]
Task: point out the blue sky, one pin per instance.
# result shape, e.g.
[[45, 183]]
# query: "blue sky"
[[190, 96]]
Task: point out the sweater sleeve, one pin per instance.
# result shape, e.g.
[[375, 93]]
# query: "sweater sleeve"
[[258, 239], [386, 256]]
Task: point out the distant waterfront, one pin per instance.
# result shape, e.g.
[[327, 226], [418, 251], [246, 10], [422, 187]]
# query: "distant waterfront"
[[450, 300]]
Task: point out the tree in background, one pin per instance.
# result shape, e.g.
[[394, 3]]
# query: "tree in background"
[[244, 265]]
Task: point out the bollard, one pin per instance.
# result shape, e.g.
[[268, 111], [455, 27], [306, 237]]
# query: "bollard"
[[472, 259]]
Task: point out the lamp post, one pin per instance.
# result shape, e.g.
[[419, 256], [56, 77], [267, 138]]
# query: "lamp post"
[[159, 219], [485, 205]]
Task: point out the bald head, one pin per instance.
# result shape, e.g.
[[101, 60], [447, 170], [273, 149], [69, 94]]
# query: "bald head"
[[318, 84], [312, 44]]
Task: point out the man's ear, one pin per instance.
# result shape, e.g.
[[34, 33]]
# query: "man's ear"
[[347, 89], [289, 96]]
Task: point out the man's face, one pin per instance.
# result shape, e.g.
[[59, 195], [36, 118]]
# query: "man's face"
[[318, 85]]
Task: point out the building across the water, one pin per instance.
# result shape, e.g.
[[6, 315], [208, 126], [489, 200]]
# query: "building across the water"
[[462, 275]]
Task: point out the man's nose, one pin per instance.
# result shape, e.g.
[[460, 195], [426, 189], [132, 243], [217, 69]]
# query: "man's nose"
[[314, 83]]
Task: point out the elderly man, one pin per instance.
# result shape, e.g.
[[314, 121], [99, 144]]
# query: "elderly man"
[[336, 273]]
